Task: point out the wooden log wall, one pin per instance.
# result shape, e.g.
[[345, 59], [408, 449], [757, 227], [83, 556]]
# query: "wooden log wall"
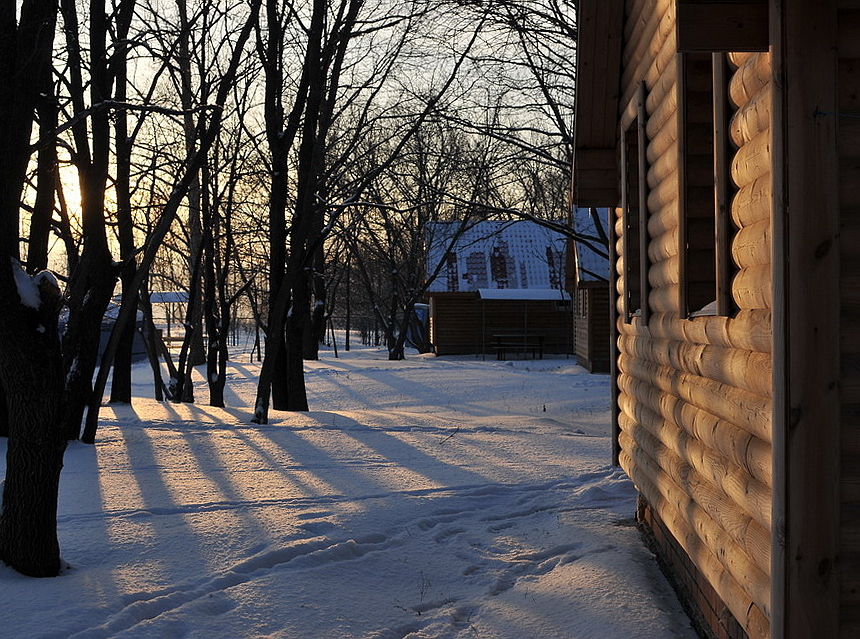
[[694, 395], [849, 179]]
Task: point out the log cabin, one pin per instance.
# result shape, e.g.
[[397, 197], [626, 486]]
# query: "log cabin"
[[725, 137]]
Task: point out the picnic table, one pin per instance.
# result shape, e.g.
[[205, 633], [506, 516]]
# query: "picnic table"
[[523, 343]]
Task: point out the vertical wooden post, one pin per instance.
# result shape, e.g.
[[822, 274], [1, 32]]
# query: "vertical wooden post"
[[612, 216], [723, 218], [626, 236], [681, 115], [806, 305], [642, 151]]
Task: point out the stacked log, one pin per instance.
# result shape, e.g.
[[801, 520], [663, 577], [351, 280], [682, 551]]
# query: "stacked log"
[[694, 395]]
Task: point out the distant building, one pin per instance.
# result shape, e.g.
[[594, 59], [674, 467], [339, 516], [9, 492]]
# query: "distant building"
[[496, 254], [501, 286]]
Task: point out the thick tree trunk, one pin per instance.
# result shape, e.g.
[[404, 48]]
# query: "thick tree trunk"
[[280, 372], [31, 375], [4, 414], [30, 361], [28, 524], [297, 399]]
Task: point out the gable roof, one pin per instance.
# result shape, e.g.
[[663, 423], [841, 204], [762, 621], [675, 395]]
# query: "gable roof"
[[496, 255]]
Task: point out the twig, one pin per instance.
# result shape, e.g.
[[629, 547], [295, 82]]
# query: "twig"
[[450, 435]]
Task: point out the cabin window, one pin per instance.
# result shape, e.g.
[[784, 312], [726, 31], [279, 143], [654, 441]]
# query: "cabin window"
[[582, 303], [706, 190], [634, 211]]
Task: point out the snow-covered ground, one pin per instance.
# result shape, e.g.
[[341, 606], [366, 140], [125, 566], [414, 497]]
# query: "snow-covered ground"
[[432, 497]]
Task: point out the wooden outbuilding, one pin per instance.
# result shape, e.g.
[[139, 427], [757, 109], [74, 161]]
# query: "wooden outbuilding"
[[589, 285], [500, 285], [725, 135], [502, 322]]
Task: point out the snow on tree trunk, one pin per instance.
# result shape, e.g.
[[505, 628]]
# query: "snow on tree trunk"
[[31, 374]]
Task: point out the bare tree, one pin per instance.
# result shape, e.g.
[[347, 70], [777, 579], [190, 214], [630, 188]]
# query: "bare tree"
[[31, 374], [389, 235], [123, 143], [208, 128], [328, 99], [224, 203], [522, 98], [91, 284]]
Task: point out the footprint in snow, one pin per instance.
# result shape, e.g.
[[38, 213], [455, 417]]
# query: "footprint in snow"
[[318, 527]]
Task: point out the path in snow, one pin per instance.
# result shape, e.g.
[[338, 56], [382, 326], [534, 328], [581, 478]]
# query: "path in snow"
[[443, 498]]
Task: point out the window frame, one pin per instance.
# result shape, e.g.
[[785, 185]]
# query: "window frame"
[[721, 270], [634, 193]]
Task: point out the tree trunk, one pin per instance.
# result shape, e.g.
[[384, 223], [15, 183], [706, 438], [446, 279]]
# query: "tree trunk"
[[4, 414], [216, 309], [31, 375], [172, 206], [280, 133], [348, 321], [150, 341], [184, 391], [46, 180], [120, 391], [297, 399], [30, 361], [196, 351], [315, 326], [28, 524], [94, 281], [218, 354]]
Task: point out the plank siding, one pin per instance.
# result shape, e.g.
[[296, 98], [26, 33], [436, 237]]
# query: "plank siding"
[[849, 160], [462, 323], [454, 322], [806, 320], [694, 395], [591, 319]]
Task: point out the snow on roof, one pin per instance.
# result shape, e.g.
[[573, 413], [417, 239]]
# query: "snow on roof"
[[591, 266], [496, 255], [168, 297], [522, 294]]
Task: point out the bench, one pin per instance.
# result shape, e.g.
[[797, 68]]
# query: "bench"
[[518, 343]]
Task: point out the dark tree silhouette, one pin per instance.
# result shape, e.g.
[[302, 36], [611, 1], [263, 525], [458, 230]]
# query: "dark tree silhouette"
[[31, 375]]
